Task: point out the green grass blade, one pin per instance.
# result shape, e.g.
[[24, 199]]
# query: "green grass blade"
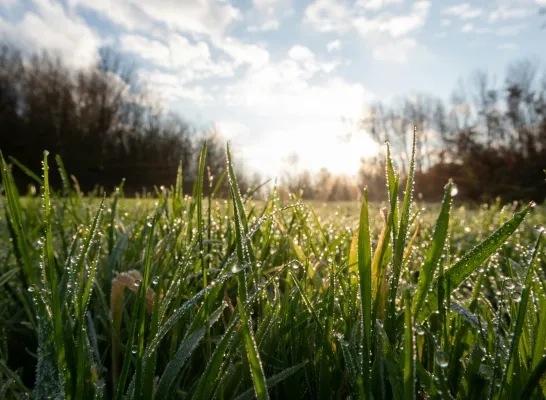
[[538, 373], [409, 350], [435, 250], [186, 349], [50, 280], [273, 380], [210, 377], [167, 381], [399, 244], [15, 221], [472, 261], [540, 341], [365, 284], [520, 320], [27, 171], [256, 369]]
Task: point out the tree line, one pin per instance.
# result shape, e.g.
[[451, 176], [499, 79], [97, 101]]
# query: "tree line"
[[490, 138], [102, 123]]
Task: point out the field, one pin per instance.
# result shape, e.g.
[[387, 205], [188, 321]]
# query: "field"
[[195, 297]]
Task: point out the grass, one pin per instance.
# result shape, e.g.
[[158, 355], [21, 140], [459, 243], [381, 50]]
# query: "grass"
[[200, 298]]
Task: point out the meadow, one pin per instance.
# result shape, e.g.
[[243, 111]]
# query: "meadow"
[[197, 297]]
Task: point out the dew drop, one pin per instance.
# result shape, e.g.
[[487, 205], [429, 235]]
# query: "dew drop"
[[136, 283], [509, 284], [155, 281], [454, 190], [539, 227], [419, 330], [32, 288], [516, 296], [442, 359], [134, 349]]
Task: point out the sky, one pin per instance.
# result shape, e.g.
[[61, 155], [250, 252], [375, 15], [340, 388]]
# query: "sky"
[[278, 77]]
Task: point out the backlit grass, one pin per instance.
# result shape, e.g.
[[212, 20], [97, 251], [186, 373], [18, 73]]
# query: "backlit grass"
[[196, 297]]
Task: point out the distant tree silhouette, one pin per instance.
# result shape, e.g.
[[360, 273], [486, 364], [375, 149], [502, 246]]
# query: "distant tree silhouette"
[[99, 120]]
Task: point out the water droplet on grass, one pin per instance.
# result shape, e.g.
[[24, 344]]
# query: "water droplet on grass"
[[134, 349], [509, 284], [420, 330], [32, 288], [516, 296], [454, 190], [539, 227], [155, 281], [442, 359], [136, 283]]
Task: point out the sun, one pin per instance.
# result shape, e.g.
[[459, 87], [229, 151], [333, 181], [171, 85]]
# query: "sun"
[[310, 146]]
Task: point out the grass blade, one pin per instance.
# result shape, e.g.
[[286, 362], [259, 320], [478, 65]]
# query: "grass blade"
[[365, 283], [256, 369], [472, 261], [435, 250]]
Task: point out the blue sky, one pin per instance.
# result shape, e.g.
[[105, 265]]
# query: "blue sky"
[[284, 76]]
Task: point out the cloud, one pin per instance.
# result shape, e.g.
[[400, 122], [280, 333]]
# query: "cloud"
[[463, 11], [206, 17], [284, 88], [375, 4], [49, 27], [265, 15], [467, 28], [121, 12], [333, 45], [503, 13], [328, 16], [445, 22], [300, 53], [190, 61], [242, 53], [395, 26]]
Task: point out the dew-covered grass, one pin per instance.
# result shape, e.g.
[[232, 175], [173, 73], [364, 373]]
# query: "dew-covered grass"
[[196, 297]]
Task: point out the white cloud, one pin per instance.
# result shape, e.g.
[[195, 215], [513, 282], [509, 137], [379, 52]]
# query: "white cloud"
[[376, 4], [328, 16], [120, 12], [397, 51], [207, 17], [463, 11], [266, 15], [445, 22], [49, 27], [333, 45], [396, 26], [467, 28], [300, 53], [503, 12], [242, 53], [283, 88], [190, 61]]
